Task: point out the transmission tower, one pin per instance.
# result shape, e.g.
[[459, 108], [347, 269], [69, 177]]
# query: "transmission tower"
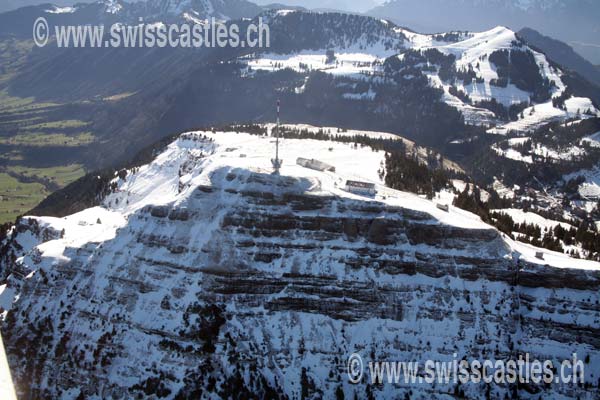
[[276, 161]]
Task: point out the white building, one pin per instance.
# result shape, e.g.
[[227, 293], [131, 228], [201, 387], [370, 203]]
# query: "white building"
[[443, 207], [314, 164], [362, 188]]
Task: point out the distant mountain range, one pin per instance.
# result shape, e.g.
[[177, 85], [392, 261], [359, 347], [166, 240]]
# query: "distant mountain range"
[[343, 5], [548, 17], [158, 9], [574, 21], [7, 5], [19, 22], [472, 87]]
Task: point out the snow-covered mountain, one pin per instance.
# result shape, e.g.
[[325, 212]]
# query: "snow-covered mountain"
[[203, 275], [112, 11], [493, 77], [342, 5], [194, 10], [572, 21], [9, 5]]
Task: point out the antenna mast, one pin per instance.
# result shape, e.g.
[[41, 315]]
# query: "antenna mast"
[[276, 161]]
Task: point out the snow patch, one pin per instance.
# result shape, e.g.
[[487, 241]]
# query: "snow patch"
[[62, 10], [520, 217]]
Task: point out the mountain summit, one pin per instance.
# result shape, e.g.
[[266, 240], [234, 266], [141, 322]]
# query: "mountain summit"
[[203, 272]]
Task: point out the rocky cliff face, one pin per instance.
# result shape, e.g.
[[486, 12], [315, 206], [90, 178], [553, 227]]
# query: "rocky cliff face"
[[203, 275]]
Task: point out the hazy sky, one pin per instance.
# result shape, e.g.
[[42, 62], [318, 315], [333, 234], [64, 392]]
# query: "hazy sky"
[[347, 5]]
